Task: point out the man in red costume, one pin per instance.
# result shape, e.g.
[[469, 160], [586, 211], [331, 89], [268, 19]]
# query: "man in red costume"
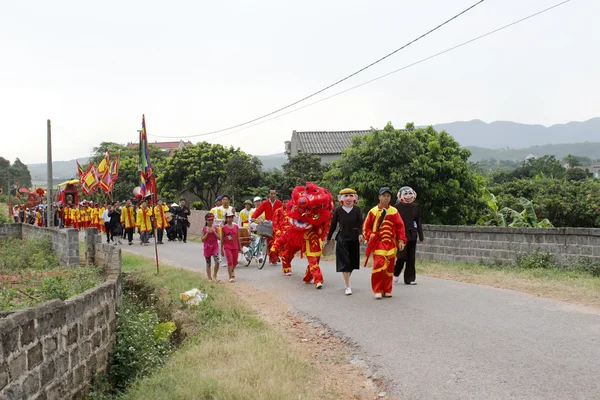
[[384, 230], [309, 217], [268, 207], [281, 224]]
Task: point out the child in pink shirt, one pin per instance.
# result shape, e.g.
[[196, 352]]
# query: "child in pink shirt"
[[210, 238], [230, 244]]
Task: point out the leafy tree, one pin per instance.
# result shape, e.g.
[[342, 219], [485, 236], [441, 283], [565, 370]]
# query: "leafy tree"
[[300, 169], [20, 173], [207, 170], [576, 174], [572, 161], [565, 203], [13, 174], [432, 163], [243, 172]]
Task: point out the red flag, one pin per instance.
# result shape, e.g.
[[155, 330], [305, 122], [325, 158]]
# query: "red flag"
[[79, 170], [145, 165]]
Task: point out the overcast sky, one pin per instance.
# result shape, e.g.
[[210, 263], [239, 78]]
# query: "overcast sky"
[[94, 68]]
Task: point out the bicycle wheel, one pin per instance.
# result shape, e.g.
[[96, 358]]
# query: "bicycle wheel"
[[262, 252], [248, 256]]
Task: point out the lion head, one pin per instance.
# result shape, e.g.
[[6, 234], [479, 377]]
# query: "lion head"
[[310, 206]]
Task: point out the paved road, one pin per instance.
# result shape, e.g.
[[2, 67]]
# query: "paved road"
[[443, 339]]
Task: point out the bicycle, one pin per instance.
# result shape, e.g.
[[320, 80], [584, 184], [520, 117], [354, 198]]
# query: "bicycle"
[[257, 250]]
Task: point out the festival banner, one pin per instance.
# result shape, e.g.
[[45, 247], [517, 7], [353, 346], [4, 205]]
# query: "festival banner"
[[146, 178], [89, 180], [79, 170], [104, 164], [114, 169], [106, 182]]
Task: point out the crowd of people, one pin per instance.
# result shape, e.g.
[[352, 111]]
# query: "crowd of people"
[[390, 231], [391, 234]]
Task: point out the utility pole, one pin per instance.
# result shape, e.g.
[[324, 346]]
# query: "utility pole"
[[49, 210]]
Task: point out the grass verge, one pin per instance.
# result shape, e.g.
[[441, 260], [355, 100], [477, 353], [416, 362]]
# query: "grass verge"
[[228, 353], [570, 286]]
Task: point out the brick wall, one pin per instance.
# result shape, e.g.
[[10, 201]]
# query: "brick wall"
[[65, 242], [499, 244], [52, 351]]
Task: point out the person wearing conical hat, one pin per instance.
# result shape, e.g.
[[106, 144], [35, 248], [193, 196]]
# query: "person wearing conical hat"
[[349, 235]]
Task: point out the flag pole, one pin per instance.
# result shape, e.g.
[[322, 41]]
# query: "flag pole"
[[155, 231]]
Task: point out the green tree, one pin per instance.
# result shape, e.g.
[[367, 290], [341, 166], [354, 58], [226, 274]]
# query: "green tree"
[[576, 174], [243, 171], [20, 173], [572, 161], [207, 170], [565, 203], [432, 163], [300, 169]]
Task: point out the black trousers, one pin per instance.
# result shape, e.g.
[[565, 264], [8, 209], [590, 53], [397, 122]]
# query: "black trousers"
[[129, 232], [182, 230], [109, 232], [159, 234], [408, 257]]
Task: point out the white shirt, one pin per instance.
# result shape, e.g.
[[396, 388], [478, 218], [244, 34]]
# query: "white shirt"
[[105, 216]]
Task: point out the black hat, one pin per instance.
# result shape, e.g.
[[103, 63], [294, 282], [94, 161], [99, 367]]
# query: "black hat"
[[385, 189]]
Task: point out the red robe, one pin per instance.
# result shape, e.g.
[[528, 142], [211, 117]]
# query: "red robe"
[[269, 210], [383, 243], [280, 225]]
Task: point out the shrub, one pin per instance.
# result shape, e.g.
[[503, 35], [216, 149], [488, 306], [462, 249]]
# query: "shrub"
[[142, 343], [536, 259], [32, 253], [197, 205]]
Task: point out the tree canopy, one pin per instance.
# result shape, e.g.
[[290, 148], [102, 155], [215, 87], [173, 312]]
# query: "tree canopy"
[[13, 175], [431, 162], [300, 169], [207, 170]]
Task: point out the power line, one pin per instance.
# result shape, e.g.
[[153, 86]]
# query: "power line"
[[402, 68], [335, 83]]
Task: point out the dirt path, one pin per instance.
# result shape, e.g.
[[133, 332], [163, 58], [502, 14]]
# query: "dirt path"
[[336, 359]]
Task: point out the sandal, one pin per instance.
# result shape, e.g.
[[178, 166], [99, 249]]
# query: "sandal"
[[231, 280]]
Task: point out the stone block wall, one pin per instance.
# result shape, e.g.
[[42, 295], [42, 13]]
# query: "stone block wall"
[[196, 219], [54, 350], [501, 245], [65, 242]]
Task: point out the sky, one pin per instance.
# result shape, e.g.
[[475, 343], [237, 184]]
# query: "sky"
[[93, 68]]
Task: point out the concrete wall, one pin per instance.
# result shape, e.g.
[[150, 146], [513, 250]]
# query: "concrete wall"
[[65, 242], [501, 245], [52, 351]]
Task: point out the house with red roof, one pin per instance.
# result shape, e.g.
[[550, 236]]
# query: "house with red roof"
[[169, 147]]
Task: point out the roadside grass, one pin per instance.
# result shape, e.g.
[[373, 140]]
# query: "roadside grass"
[[228, 352], [31, 274], [571, 286]]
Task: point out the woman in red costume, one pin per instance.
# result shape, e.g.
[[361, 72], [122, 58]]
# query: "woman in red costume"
[[384, 230], [309, 217]]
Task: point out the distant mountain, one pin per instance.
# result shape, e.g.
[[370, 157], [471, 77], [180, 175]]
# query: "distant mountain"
[[514, 135], [272, 161], [62, 170], [560, 151]]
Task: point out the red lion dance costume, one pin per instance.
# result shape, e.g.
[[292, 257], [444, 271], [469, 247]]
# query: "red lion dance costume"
[[309, 217]]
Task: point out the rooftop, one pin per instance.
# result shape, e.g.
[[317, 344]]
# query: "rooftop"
[[323, 142], [167, 146]]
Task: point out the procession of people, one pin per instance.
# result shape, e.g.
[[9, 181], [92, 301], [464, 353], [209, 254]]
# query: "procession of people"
[[390, 233]]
